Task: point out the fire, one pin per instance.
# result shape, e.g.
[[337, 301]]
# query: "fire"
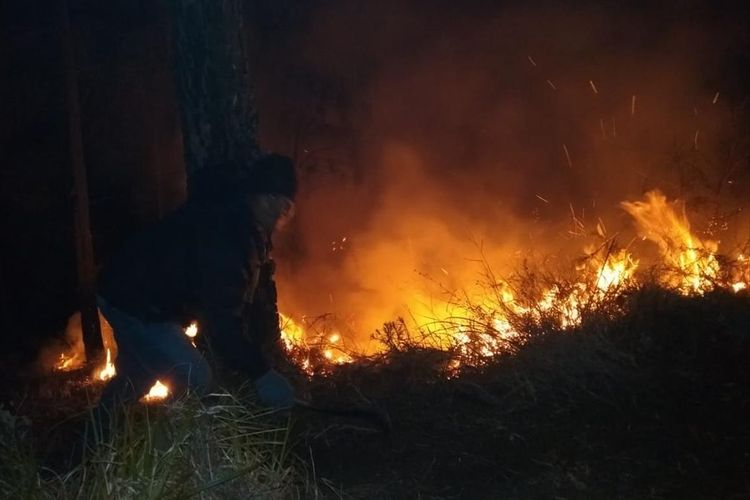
[[692, 263], [300, 342], [292, 334], [616, 270], [479, 321], [740, 273], [66, 362], [108, 371], [191, 331], [157, 392]]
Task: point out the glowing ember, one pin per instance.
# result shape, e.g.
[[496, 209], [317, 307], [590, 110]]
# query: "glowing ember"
[[108, 371], [158, 392], [740, 285]]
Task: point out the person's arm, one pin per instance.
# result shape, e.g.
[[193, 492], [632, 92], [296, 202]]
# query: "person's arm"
[[229, 277]]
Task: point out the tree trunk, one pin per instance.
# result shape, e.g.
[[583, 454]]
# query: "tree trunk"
[[219, 122], [92, 336]]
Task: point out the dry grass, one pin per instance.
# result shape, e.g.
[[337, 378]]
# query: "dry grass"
[[228, 448], [646, 398]]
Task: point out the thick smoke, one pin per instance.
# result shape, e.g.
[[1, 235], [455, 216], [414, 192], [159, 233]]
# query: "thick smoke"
[[482, 132]]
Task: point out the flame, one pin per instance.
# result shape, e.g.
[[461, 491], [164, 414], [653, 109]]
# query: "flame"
[[300, 342], [191, 331], [692, 262], [616, 270], [72, 355], [292, 334], [478, 322], [158, 392], [66, 362], [108, 371]]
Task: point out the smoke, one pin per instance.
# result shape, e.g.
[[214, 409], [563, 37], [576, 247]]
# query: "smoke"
[[481, 131]]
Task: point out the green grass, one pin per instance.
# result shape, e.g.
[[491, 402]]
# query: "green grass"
[[185, 449]]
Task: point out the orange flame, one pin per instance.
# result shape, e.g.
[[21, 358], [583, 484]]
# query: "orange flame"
[[191, 331], [158, 392], [108, 371], [66, 362], [692, 262]]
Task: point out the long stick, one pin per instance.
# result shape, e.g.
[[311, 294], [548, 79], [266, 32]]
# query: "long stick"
[[373, 415]]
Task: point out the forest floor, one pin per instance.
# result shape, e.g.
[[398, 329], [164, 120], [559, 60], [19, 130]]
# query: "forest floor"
[[652, 404]]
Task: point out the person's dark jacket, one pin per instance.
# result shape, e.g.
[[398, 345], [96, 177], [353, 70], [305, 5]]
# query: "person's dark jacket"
[[205, 262]]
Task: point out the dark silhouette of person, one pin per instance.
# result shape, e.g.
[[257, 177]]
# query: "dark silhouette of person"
[[209, 260]]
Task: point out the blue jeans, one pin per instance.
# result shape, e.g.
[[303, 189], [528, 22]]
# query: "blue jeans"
[[151, 351]]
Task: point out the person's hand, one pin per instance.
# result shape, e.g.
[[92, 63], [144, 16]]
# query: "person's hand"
[[274, 390]]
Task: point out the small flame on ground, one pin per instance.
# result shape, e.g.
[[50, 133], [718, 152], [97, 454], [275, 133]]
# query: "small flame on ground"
[[158, 392], [65, 362], [191, 331], [108, 371]]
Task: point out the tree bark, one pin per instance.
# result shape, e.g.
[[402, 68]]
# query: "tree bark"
[[92, 336], [213, 83]]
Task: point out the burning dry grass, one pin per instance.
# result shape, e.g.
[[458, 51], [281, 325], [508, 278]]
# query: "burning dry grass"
[[650, 402], [229, 448], [479, 319]]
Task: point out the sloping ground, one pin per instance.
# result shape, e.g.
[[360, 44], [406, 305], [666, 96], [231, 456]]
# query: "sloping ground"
[[655, 404]]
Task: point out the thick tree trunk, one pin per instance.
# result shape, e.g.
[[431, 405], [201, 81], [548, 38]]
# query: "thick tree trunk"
[[218, 118], [92, 336]]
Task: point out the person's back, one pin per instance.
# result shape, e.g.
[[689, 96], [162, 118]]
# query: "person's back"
[[206, 261], [158, 275]]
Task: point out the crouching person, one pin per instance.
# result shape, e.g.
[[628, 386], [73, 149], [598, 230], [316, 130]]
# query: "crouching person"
[[209, 261]]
